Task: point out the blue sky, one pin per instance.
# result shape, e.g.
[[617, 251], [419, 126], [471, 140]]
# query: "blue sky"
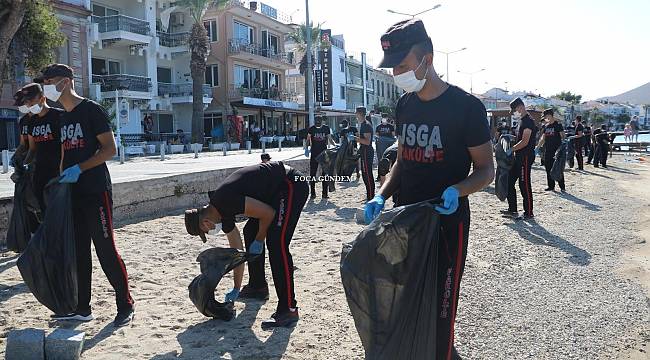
[[595, 48]]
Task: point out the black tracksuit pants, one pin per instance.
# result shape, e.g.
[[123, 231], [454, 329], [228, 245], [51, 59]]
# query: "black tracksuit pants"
[[93, 220], [313, 170], [521, 172], [367, 157], [452, 252], [288, 204], [602, 151], [578, 145], [549, 160], [589, 149]]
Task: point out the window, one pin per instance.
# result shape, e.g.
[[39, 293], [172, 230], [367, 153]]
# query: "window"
[[104, 67], [243, 33], [373, 84], [99, 10], [164, 75], [269, 42], [342, 60], [211, 27], [212, 75], [342, 92], [383, 93], [165, 123], [213, 125], [63, 52]]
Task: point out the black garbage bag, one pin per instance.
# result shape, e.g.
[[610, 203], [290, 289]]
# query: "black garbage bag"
[[504, 164], [346, 159], [19, 231], [327, 160], [570, 154], [215, 263], [557, 171], [389, 277], [49, 264]]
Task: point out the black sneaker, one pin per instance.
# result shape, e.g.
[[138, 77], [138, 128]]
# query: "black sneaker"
[[283, 319], [124, 318], [325, 196], [248, 292], [563, 191], [508, 213], [75, 316], [526, 217], [549, 189]]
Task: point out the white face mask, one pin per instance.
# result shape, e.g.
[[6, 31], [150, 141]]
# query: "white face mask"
[[23, 109], [216, 230], [36, 109], [409, 82], [51, 92], [384, 121]]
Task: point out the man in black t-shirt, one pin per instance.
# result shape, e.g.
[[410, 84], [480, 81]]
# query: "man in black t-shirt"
[[318, 137], [87, 142], [589, 145], [442, 133], [348, 134], [44, 142], [524, 151], [578, 140], [272, 196], [366, 150], [385, 138], [551, 139], [601, 137]]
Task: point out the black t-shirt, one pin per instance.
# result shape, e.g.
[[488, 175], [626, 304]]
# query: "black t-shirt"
[[45, 131], [435, 136], [79, 130], [23, 125], [601, 136], [318, 139], [260, 182], [587, 134], [386, 130], [527, 123], [365, 128], [552, 135], [391, 153]]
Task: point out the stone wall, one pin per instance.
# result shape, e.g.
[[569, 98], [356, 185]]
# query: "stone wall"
[[149, 199]]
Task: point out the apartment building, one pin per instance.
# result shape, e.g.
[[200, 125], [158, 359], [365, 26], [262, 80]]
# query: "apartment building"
[[247, 69], [380, 86]]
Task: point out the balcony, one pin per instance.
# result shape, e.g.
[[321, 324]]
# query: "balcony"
[[183, 93], [173, 39], [354, 81], [132, 86], [242, 49], [120, 30], [238, 93]]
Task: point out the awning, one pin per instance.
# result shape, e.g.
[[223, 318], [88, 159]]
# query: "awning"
[[241, 105]]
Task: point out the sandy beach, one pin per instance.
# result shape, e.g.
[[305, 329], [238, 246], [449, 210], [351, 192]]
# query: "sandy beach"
[[572, 285]]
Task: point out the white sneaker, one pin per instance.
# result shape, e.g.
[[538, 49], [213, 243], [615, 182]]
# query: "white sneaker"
[[74, 317]]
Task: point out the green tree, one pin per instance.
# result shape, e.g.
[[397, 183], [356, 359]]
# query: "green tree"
[[623, 118], [199, 44], [299, 38], [29, 34], [568, 96]]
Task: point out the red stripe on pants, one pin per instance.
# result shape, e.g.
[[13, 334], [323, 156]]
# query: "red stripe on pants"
[[459, 259], [283, 241], [119, 258]]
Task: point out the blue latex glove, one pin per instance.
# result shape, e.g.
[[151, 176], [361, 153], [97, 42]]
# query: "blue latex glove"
[[373, 208], [256, 247], [350, 137], [70, 175], [509, 152], [450, 201], [232, 295], [306, 152]]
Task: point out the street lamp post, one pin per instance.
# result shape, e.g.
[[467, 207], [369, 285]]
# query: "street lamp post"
[[413, 15], [309, 72], [471, 78], [447, 53]]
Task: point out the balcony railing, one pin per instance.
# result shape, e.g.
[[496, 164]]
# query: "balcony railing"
[[123, 82], [354, 81], [237, 46], [121, 22], [260, 93], [180, 90], [173, 39]]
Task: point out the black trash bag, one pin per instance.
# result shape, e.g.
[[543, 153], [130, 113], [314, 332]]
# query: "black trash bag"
[[327, 160], [19, 231], [215, 263], [557, 171], [504, 164], [346, 159], [49, 264], [390, 282], [570, 154]]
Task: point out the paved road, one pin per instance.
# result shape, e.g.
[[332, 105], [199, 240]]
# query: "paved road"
[[142, 168]]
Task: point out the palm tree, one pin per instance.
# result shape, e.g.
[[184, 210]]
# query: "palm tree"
[[299, 38], [199, 44]]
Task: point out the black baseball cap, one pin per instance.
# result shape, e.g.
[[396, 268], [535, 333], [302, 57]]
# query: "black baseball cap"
[[361, 110], [265, 157], [399, 39], [56, 70], [548, 111], [515, 103], [192, 224], [27, 92]]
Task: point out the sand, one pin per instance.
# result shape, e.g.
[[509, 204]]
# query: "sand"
[[545, 290]]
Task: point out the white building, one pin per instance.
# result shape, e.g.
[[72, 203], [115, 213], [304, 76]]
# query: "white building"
[[140, 48]]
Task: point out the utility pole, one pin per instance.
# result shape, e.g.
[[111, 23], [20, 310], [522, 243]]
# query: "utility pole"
[[309, 96], [364, 79]]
